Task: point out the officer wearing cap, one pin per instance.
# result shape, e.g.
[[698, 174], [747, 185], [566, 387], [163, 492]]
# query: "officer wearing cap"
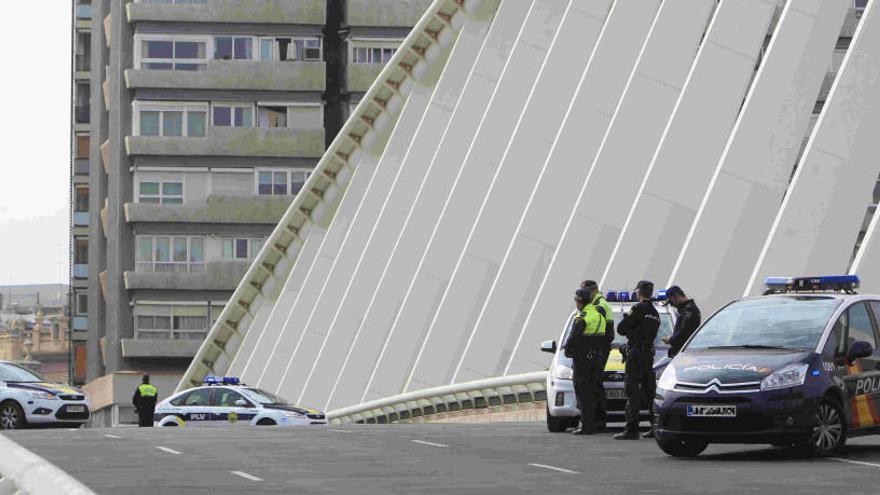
[[584, 345], [687, 321], [596, 299], [144, 400], [640, 328]]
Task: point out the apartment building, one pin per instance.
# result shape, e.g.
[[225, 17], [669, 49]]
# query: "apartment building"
[[196, 123]]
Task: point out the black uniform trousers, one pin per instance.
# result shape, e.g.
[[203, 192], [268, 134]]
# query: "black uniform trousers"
[[587, 373], [601, 404], [641, 385], [145, 415]]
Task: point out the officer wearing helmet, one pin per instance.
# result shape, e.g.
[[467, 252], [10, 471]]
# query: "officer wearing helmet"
[[584, 345], [640, 328]]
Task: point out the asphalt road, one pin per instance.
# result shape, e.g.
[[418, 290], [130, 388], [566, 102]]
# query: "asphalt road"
[[366, 459]]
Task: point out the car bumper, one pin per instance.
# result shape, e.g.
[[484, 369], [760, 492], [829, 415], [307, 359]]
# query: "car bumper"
[[761, 417], [43, 412], [561, 401]]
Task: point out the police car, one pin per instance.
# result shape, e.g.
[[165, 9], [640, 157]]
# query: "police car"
[[26, 399], [562, 411], [797, 366], [225, 401]]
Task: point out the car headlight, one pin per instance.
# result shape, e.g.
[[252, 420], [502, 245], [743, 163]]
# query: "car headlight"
[[562, 372], [43, 395], [667, 378], [792, 375], [295, 415]]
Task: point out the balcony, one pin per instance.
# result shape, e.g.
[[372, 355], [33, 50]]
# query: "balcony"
[[216, 275], [81, 270], [234, 141], [81, 166], [266, 210], [80, 323], [361, 76], [160, 348], [386, 12], [80, 219], [232, 11], [83, 62], [235, 74]]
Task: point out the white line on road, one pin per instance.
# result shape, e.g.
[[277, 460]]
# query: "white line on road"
[[166, 449], [246, 476], [112, 436], [431, 444], [554, 468], [860, 463], [338, 431]]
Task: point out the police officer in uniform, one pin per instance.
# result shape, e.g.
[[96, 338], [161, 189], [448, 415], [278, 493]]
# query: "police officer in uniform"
[[686, 323], [584, 345], [144, 401], [596, 299], [640, 328]]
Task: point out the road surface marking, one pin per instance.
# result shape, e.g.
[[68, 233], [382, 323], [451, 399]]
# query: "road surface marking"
[[339, 431], [554, 468], [432, 444], [246, 476], [111, 436], [166, 449], [860, 463]]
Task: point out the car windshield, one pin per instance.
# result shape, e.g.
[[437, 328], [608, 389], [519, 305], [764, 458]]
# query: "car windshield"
[[790, 322], [263, 397], [13, 373]]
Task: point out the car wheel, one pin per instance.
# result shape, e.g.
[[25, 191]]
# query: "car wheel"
[[682, 448], [11, 416], [171, 423], [555, 424], [829, 429], [266, 422]]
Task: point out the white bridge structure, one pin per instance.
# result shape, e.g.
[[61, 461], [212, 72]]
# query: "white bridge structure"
[[513, 148]]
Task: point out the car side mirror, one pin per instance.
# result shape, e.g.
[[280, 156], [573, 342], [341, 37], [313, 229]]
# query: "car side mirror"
[[859, 350], [549, 346], [241, 403]]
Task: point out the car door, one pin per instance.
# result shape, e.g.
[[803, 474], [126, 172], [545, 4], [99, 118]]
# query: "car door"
[[862, 376], [196, 407], [228, 411]]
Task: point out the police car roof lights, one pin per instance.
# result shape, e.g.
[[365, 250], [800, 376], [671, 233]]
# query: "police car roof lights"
[[222, 380], [840, 283]]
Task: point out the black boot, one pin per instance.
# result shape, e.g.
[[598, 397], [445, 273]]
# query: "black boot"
[[628, 434]]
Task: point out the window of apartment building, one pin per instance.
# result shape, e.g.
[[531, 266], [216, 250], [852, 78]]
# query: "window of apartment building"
[[161, 192], [233, 48], [280, 182], [272, 116], [170, 119], [82, 59], [232, 115], [372, 55], [241, 248], [156, 253], [171, 322], [83, 98], [83, 141], [81, 199], [290, 49], [162, 52], [82, 303], [81, 252]]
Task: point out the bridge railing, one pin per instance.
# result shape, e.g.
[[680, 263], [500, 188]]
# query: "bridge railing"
[[512, 390]]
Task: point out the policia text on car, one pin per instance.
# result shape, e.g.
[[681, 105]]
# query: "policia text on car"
[[585, 345]]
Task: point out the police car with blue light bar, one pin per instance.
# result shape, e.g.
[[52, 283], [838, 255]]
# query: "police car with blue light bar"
[[225, 401], [796, 367]]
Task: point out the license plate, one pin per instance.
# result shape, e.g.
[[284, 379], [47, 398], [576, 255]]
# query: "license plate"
[[76, 409], [700, 411], [615, 394]]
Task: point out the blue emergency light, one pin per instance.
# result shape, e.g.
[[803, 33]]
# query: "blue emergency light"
[[224, 380], [844, 283], [660, 296]]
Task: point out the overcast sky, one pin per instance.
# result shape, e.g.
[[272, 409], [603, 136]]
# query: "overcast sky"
[[35, 171]]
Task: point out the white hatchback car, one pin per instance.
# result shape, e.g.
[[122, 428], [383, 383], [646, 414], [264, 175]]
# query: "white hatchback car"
[[26, 399], [562, 411], [226, 402]]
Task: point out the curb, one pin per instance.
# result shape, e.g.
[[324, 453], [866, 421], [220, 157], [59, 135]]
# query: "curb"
[[34, 475]]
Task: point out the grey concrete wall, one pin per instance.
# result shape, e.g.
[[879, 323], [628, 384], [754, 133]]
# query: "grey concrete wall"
[[218, 275], [217, 209], [262, 11], [258, 75], [386, 12], [234, 141]]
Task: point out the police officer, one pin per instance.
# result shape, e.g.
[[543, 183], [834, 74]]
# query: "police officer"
[[144, 401], [640, 328], [596, 299], [686, 323], [584, 345]]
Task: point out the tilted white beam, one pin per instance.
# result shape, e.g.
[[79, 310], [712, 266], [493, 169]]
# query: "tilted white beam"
[[348, 368], [692, 144], [867, 262], [736, 212], [816, 227], [626, 151]]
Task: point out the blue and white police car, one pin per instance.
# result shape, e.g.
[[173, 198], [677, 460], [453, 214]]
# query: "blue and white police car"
[[798, 366], [225, 401], [26, 399]]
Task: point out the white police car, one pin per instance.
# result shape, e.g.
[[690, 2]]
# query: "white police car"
[[26, 399], [562, 411], [225, 401]]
